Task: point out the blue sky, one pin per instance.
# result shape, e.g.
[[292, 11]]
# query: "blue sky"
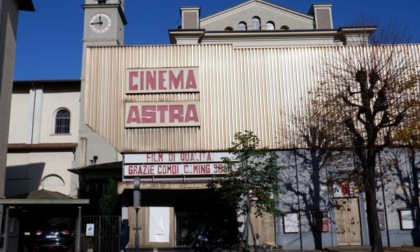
[[49, 40]]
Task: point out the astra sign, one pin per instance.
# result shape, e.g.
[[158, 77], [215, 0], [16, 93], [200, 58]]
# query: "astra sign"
[[157, 82], [161, 114]]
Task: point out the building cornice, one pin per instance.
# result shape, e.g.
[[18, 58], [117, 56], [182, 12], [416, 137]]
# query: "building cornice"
[[21, 147]]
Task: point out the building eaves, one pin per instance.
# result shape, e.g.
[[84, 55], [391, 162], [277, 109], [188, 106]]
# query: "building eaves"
[[21, 147]]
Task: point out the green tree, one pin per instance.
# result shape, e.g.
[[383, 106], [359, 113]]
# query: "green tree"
[[109, 203], [252, 180]]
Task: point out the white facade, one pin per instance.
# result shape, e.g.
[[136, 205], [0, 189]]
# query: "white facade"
[[39, 155]]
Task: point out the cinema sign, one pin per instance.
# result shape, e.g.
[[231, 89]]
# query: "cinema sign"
[[175, 164], [162, 80], [157, 81]]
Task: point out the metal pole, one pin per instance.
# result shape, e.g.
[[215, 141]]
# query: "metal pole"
[[6, 230], [136, 205], [137, 238], [78, 228]]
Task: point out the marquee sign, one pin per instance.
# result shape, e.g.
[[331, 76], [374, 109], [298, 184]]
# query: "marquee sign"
[[175, 164]]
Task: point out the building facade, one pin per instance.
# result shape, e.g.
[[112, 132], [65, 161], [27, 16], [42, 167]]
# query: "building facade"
[[166, 116], [43, 137]]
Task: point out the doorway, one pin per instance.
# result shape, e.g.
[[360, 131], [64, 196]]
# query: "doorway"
[[347, 219]]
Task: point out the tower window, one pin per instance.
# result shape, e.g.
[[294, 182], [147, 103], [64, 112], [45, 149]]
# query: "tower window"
[[242, 26], [256, 23], [270, 26], [62, 122]]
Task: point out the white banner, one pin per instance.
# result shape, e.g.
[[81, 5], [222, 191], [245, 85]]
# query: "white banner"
[[176, 157], [174, 169]]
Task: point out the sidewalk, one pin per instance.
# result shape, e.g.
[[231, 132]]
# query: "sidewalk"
[[367, 248], [331, 249], [361, 249]]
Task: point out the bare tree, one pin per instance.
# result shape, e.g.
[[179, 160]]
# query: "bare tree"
[[369, 93]]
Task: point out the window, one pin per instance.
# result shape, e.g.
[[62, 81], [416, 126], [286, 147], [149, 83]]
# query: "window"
[[62, 122], [284, 27], [320, 221], [242, 26], [228, 28], [256, 24], [407, 220], [270, 26], [290, 223], [381, 217]]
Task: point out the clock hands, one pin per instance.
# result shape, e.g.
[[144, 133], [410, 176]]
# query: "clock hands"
[[99, 22]]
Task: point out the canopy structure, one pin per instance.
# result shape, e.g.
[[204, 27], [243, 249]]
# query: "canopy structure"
[[43, 197]]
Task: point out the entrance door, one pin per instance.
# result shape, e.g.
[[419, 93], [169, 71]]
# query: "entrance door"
[[347, 221]]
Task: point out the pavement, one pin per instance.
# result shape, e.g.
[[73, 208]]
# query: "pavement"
[[361, 249], [368, 248], [331, 249]]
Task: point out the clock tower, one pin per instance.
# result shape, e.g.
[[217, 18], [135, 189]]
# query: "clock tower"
[[104, 22], [103, 25]]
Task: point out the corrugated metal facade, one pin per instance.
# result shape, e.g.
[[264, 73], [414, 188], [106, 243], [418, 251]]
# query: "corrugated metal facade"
[[256, 89]]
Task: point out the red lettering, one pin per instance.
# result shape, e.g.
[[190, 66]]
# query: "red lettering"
[[132, 86], [162, 112], [151, 80], [148, 114], [141, 170], [176, 112], [201, 169], [141, 80], [162, 80], [191, 114], [133, 115], [131, 170], [191, 84], [176, 82]]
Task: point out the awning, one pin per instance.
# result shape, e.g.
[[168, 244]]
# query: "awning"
[[43, 197]]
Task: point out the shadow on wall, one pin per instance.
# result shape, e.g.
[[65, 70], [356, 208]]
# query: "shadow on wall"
[[22, 179]]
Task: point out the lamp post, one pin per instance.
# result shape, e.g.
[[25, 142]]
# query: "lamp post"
[[136, 205]]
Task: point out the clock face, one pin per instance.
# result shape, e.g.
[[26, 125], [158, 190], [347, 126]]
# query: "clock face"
[[100, 23]]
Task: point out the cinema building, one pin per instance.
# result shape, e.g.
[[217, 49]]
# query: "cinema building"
[[166, 115]]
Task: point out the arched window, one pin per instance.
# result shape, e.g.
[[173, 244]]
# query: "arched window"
[[284, 27], [62, 122], [242, 26], [228, 28], [270, 26], [256, 23]]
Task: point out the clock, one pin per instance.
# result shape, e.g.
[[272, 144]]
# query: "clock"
[[100, 23]]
